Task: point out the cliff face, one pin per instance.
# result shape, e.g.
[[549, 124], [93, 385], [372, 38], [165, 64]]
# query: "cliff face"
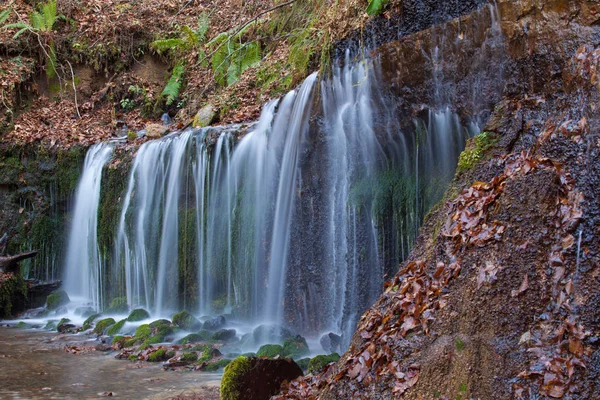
[[499, 298]]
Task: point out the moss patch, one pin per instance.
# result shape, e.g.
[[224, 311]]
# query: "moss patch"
[[13, 295], [475, 150], [138, 314], [230, 389], [295, 347], [103, 325], [270, 350], [317, 363], [87, 324], [187, 321], [116, 328]]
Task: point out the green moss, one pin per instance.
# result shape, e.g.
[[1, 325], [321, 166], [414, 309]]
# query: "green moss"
[[138, 314], [13, 295], [143, 332], [57, 299], [187, 321], [87, 324], [189, 357], [23, 325], [206, 353], [191, 338], [295, 347], [158, 322], [119, 341], [129, 342], [116, 328], [303, 363], [460, 344], [231, 381], [215, 366], [317, 363], [270, 350], [103, 325], [118, 305], [158, 356], [133, 357], [475, 151], [50, 325]]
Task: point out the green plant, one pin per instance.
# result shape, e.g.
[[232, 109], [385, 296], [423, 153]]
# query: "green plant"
[[460, 345], [41, 20], [231, 56], [376, 6], [232, 377], [171, 91], [475, 150], [127, 104]]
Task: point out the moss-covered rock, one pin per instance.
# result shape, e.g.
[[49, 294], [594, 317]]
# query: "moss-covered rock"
[[158, 356], [103, 325], [189, 357], [192, 338], [295, 347], [57, 299], [225, 335], [317, 363], [186, 321], [231, 383], [215, 366], [116, 328], [158, 322], [143, 332], [118, 305], [50, 325], [270, 350], [303, 363], [88, 323], [475, 151], [138, 314], [23, 325], [13, 296]]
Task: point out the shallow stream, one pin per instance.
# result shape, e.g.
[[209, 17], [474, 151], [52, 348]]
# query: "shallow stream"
[[37, 365]]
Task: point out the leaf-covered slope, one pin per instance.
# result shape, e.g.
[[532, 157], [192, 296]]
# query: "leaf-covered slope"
[[499, 298]]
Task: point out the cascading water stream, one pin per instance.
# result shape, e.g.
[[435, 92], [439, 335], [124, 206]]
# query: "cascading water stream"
[[296, 219], [84, 272]]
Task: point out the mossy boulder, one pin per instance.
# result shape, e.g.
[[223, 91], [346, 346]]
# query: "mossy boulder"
[[295, 347], [87, 324], [23, 325], [189, 357], [317, 363], [186, 321], [215, 366], [270, 350], [65, 326], [50, 325], [158, 356], [139, 314], [13, 296], [116, 328], [225, 335], [216, 323], [56, 300], [194, 338], [158, 322], [103, 325], [143, 332], [256, 378], [303, 363], [118, 305]]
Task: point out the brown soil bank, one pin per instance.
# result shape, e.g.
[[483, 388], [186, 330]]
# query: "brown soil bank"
[[500, 297]]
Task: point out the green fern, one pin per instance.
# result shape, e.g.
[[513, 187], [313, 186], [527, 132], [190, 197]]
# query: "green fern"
[[231, 58], [203, 25], [171, 91], [165, 45], [4, 14]]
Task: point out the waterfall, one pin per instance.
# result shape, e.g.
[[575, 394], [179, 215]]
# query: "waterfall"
[[84, 267]]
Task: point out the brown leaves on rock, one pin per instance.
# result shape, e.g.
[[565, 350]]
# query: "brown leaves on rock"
[[558, 354], [468, 216]]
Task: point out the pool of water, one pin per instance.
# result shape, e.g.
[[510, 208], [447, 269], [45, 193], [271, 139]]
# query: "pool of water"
[[37, 365]]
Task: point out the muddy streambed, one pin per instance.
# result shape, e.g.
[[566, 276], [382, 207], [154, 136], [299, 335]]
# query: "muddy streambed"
[[37, 365]]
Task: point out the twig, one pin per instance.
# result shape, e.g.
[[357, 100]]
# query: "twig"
[[74, 88]]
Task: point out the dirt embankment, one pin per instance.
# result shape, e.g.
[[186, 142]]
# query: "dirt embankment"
[[499, 299]]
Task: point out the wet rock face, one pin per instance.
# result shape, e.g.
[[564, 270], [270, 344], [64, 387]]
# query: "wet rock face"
[[408, 17]]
